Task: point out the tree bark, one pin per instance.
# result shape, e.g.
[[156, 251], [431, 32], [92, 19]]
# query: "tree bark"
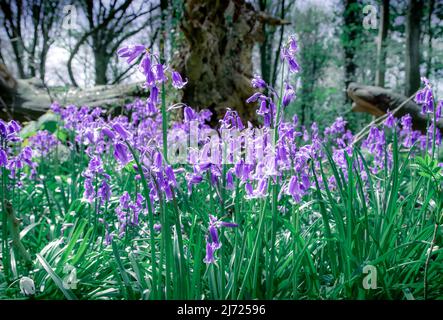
[[216, 56], [280, 42], [101, 66], [266, 48], [413, 46], [430, 37], [13, 29], [381, 45], [351, 20]]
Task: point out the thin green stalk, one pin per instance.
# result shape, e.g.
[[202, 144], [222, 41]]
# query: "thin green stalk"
[[275, 187], [150, 219], [428, 259], [254, 252], [269, 287], [164, 124], [236, 241], [5, 240], [166, 239], [184, 272], [434, 133], [295, 223]]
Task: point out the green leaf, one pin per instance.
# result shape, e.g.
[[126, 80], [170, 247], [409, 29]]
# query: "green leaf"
[[67, 292]]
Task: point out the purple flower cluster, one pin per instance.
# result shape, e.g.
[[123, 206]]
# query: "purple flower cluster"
[[43, 142], [425, 97], [12, 157], [375, 143], [128, 211], [288, 54], [267, 104], [96, 182], [153, 72], [8, 134]]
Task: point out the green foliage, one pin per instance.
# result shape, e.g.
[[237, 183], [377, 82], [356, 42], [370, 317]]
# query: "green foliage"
[[321, 245]]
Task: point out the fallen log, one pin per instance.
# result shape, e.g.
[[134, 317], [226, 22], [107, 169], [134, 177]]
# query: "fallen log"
[[377, 101], [26, 100]]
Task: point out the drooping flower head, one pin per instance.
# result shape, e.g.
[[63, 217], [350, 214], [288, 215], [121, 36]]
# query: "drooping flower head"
[[121, 153], [177, 80], [425, 97], [288, 95], [150, 67], [258, 82], [131, 52], [288, 54], [390, 120], [212, 239]]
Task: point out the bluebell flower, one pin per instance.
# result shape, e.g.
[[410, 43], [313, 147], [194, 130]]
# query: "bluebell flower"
[[289, 95], [255, 97], [294, 189], [153, 96], [425, 97], [108, 133], [159, 73], [390, 120], [229, 180], [209, 258], [121, 153], [288, 53], [3, 158], [124, 134], [131, 52], [258, 82], [189, 114], [177, 81], [212, 240], [438, 109]]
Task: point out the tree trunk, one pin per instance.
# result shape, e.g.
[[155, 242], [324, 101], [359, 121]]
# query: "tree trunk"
[[11, 23], [163, 18], [101, 66], [381, 45], [351, 20], [17, 48], [413, 46], [280, 42], [430, 37], [43, 56], [217, 56], [266, 48]]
